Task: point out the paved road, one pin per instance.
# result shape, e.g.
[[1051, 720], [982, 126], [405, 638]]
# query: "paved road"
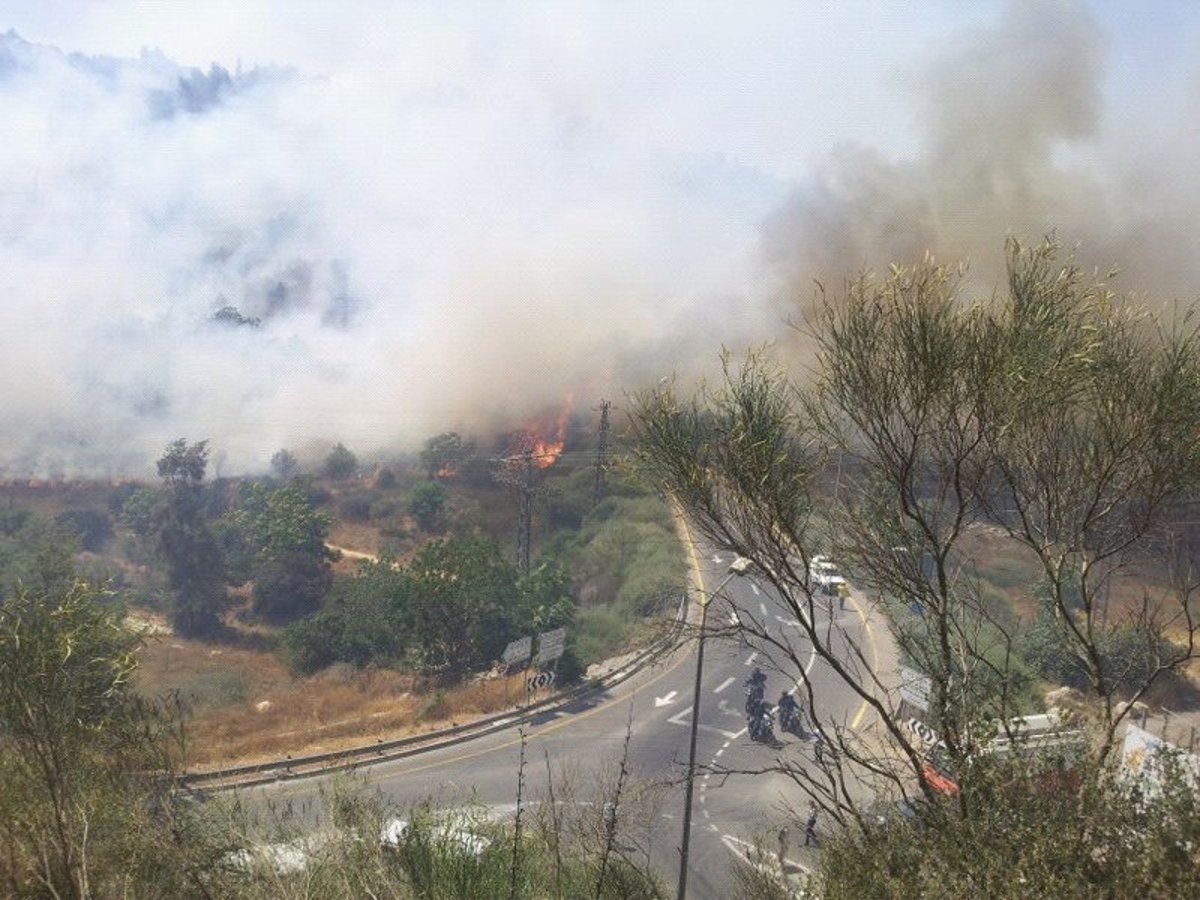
[[655, 707]]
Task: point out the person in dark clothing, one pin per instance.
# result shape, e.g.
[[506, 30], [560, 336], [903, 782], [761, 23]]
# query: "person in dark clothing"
[[810, 827]]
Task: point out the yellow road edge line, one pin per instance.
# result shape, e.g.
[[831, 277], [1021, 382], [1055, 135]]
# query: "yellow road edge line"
[[862, 709]]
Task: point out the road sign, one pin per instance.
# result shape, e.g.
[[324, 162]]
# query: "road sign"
[[915, 688], [926, 734], [539, 680], [518, 650], [551, 645]]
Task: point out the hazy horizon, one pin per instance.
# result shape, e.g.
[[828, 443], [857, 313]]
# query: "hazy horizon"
[[456, 216]]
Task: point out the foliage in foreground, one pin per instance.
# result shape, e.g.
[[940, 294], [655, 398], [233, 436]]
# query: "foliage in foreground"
[[1034, 834], [89, 807], [83, 810]]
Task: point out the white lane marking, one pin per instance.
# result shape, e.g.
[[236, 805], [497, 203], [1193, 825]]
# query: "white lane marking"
[[666, 700], [750, 658], [754, 587], [763, 607], [712, 827], [724, 684], [707, 814], [759, 858], [679, 717], [792, 622], [719, 752]]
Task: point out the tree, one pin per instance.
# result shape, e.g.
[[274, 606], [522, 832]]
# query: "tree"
[[427, 502], [64, 664], [87, 805], [1054, 415], [195, 565], [284, 464], [93, 526], [460, 594], [1136, 843], [442, 454], [340, 463], [285, 536], [448, 612]]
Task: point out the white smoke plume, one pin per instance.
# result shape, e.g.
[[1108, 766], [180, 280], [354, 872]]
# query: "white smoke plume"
[[270, 259], [427, 218], [1013, 139]]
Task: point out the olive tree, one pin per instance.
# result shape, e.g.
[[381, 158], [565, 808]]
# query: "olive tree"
[[1054, 414]]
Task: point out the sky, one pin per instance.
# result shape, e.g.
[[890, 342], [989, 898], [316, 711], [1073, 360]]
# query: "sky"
[[456, 215]]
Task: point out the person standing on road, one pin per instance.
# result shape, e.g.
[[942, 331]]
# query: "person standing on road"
[[810, 827]]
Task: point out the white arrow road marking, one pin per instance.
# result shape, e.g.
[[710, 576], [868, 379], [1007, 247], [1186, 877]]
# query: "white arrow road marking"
[[733, 619], [750, 658], [716, 559], [665, 701], [724, 684], [680, 717]]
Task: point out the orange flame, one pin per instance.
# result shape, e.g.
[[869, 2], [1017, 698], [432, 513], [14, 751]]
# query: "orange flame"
[[545, 441]]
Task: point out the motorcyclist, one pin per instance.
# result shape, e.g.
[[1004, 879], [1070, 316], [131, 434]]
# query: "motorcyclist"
[[788, 709], [759, 720], [755, 688]]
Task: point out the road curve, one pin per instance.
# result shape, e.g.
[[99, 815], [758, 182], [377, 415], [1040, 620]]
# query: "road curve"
[[729, 814]]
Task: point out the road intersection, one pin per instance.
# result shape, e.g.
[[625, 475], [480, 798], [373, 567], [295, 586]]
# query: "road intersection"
[[735, 815]]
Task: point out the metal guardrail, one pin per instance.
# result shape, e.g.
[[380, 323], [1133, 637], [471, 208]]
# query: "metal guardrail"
[[310, 765]]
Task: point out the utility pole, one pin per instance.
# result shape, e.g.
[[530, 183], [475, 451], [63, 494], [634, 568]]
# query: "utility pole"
[[525, 519], [601, 452]]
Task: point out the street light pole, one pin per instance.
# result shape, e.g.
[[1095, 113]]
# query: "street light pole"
[[738, 567]]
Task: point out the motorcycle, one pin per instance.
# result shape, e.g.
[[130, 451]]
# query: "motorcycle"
[[754, 696], [760, 724], [789, 720]]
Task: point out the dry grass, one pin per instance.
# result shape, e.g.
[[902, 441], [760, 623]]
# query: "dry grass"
[[247, 706]]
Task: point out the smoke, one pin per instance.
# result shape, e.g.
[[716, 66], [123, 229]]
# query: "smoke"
[[434, 220], [269, 259], [1013, 140]]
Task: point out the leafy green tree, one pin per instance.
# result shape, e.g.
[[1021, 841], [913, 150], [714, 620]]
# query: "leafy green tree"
[[442, 453], [13, 519], [284, 534], [427, 503], [1038, 838], [85, 809], [195, 565], [1054, 415], [141, 510], [64, 663], [460, 594], [340, 464], [93, 526], [284, 464], [448, 612]]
